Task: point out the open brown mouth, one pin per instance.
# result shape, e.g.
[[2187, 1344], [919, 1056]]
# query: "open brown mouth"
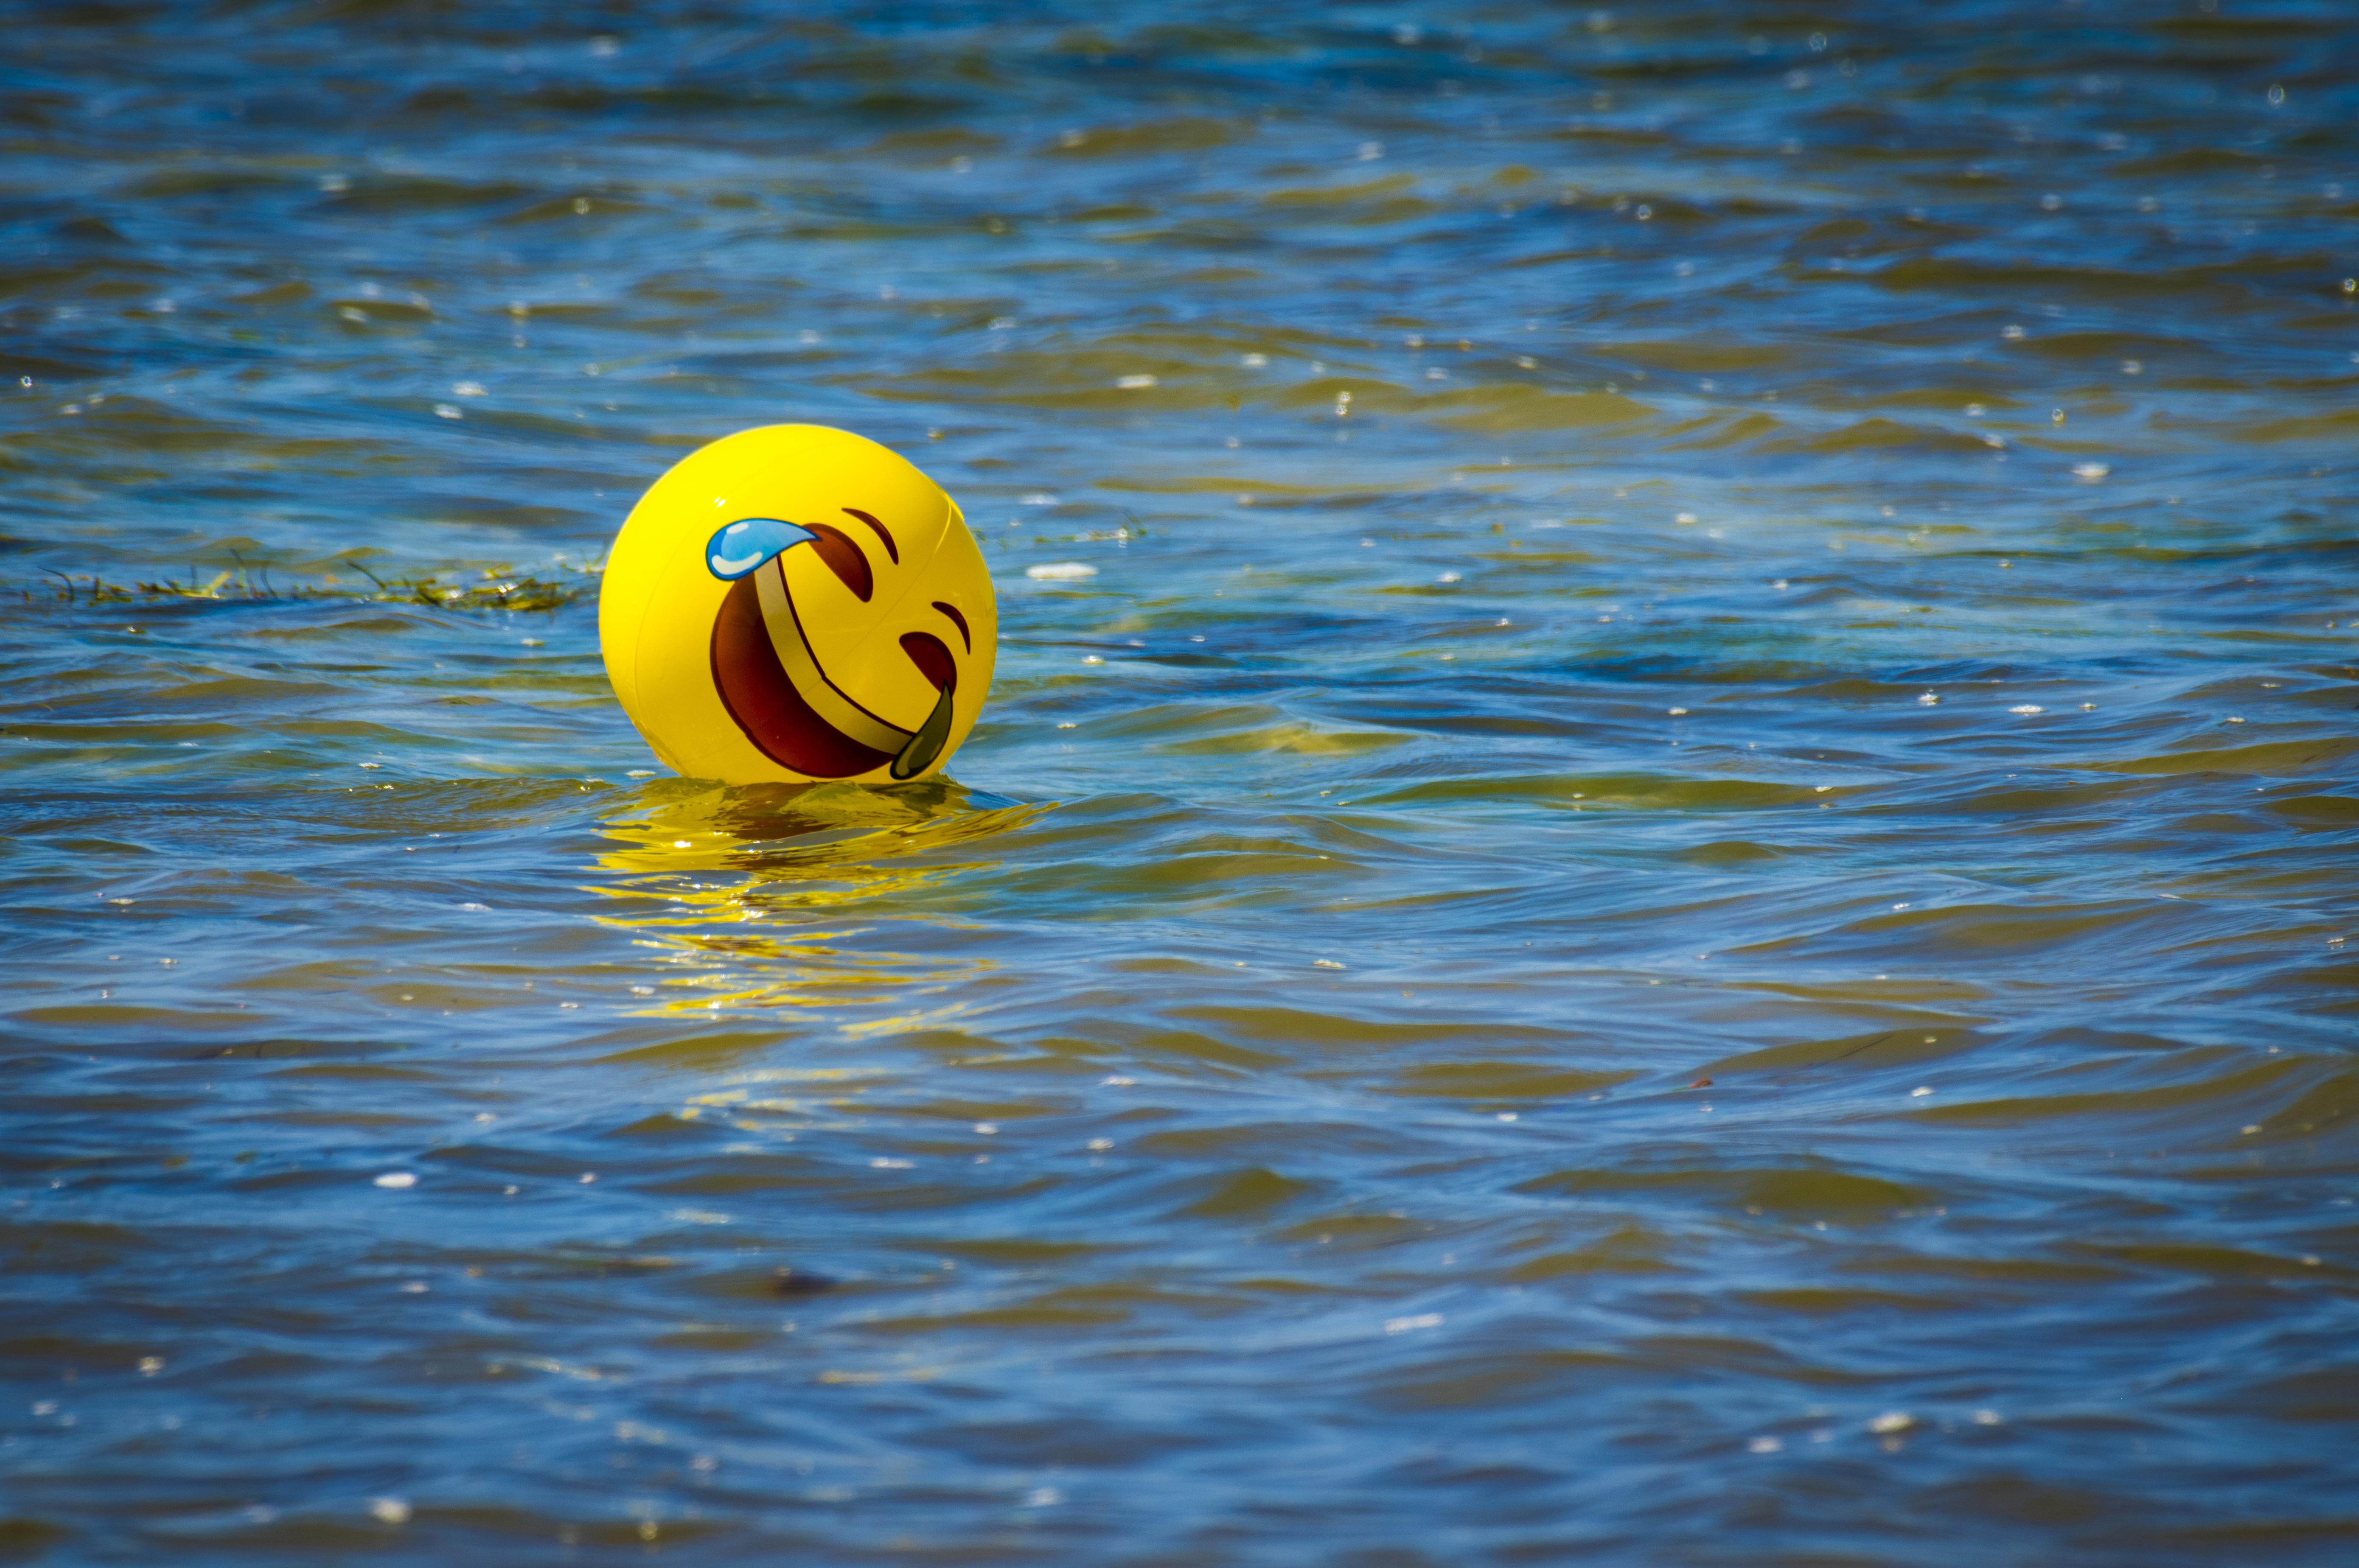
[[800, 719]]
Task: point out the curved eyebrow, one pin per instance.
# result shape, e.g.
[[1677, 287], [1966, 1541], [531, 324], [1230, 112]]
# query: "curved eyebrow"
[[959, 621], [891, 548]]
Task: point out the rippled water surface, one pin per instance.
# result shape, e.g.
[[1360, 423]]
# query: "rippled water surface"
[[1679, 894]]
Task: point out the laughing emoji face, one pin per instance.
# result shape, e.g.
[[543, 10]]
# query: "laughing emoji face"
[[794, 603]]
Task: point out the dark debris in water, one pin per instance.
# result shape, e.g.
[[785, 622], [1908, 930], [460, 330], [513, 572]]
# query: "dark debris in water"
[[800, 1282]]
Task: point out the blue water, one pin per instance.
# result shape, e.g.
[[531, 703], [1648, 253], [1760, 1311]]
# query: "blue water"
[[1677, 894]]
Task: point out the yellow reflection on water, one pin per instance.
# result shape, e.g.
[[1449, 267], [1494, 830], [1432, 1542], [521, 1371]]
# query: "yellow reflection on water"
[[753, 1099], [753, 893]]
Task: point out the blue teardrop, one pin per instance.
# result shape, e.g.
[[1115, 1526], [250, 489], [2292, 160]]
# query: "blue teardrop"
[[745, 544]]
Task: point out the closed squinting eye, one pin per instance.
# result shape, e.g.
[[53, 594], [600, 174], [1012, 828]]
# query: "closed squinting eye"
[[849, 562], [932, 659], [843, 558]]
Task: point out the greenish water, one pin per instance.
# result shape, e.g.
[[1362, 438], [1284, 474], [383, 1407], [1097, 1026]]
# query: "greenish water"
[[1677, 896]]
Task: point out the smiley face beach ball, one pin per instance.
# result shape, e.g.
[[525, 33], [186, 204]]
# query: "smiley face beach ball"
[[795, 604]]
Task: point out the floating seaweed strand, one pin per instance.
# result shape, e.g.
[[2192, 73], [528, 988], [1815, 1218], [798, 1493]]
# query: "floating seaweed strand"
[[497, 590]]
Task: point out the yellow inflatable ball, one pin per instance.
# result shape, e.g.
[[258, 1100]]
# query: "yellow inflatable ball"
[[793, 604]]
